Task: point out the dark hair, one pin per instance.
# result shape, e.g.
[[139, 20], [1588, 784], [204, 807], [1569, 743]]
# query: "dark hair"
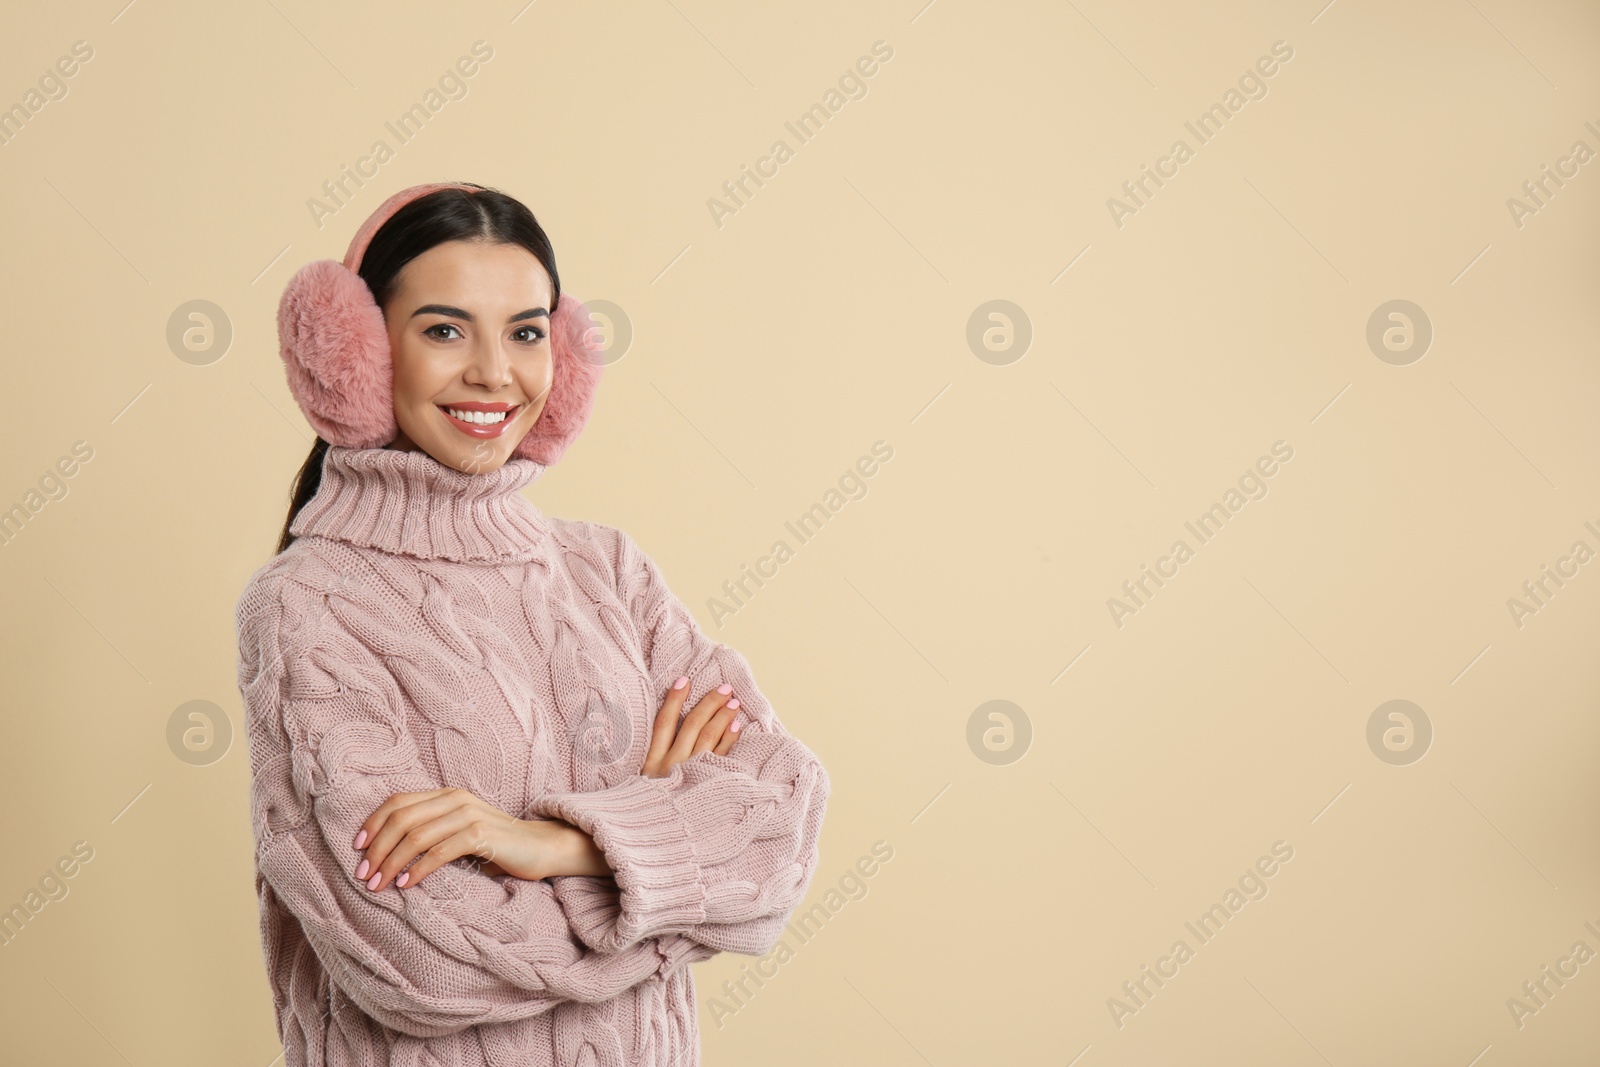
[[483, 214]]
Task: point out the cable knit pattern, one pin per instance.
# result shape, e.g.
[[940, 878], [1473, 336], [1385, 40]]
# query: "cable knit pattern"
[[431, 628]]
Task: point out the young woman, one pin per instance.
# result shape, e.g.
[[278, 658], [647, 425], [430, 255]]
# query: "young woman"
[[504, 790]]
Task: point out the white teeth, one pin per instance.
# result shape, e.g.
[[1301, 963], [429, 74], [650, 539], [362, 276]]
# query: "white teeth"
[[481, 418]]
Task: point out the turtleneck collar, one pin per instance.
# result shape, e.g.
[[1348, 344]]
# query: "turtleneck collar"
[[408, 503]]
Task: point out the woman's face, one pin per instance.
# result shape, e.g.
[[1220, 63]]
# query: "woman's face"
[[469, 327]]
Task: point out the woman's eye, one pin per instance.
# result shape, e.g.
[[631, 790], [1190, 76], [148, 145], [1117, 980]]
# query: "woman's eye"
[[530, 335]]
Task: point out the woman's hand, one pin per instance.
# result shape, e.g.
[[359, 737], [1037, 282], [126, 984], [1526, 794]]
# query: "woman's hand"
[[708, 728], [440, 825]]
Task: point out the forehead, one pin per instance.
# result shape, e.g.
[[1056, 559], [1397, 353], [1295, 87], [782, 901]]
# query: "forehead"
[[476, 272]]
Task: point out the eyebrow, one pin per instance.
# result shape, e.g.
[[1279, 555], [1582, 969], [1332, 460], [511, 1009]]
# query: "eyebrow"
[[460, 313]]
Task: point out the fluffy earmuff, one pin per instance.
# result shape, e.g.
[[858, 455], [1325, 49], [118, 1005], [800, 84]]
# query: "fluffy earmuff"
[[335, 350]]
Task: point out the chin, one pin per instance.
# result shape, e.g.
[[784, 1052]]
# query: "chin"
[[468, 454], [471, 457]]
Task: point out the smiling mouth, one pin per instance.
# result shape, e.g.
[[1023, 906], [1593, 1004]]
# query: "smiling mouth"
[[481, 423]]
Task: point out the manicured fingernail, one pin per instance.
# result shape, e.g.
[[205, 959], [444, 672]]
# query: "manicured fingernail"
[[372, 883], [733, 703], [361, 871], [361, 839], [683, 680], [734, 728], [405, 876], [724, 688]]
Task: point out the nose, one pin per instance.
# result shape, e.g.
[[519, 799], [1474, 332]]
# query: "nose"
[[489, 366]]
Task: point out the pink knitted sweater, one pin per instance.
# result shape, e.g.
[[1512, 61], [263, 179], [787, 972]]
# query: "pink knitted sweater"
[[431, 628]]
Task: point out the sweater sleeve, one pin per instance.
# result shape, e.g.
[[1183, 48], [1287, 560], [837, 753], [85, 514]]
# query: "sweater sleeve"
[[328, 744], [723, 847]]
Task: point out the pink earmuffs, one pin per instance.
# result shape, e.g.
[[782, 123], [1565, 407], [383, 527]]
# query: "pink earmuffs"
[[335, 350]]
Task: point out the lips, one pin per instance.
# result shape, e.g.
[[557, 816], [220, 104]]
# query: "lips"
[[481, 430]]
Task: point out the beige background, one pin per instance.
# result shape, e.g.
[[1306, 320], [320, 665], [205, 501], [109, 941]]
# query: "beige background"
[[768, 355]]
